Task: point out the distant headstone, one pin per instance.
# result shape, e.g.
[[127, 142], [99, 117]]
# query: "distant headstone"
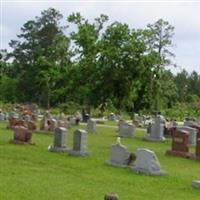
[[59, 140], [21, 135], [72, 121], [192, 133], [2, 116], [156, 130], [63, 123], [52, 124], [91, 126], [196, 183], [126, 129], [147, 163], [111, 117], [189, 122], [79, 143]]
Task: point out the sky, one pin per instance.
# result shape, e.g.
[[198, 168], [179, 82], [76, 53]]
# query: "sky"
[[183, 15]]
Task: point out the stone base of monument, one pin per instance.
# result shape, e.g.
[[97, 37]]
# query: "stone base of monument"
[[58, 149], [154, 139], [188, 155], [196, 184], [78, 153], [147, 172], [20, 142], [116, 164]]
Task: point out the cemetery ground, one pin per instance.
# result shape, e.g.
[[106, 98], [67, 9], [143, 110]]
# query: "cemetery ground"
[[31, 172]]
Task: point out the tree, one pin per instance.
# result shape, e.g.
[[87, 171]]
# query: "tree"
[[42, 41]]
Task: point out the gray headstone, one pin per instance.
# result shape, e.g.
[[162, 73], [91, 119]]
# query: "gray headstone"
[[196, 183], [91, 126], [126, 129], [72, 121], [192, 133], [156, 130], [59, 140], [119, 155], [147, 162], [79, 143], [2, 117], [52, 125]]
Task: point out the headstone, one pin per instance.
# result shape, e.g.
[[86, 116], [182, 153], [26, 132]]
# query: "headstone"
[[119, 155], [72, 121], [126, 129], [79, 143], [59, 140], [180, 144], [63, 123], [2, 116], [44, 125], [189, 122], [91, 126], [52, 124], [156, 130], [147, 163], [192, 133], [21, 135], [196, 184], [111, 117]]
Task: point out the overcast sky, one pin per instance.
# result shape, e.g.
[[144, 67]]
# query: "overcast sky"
[[183, 15]]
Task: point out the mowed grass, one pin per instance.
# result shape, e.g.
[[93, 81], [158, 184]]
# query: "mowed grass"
[[31, 172]]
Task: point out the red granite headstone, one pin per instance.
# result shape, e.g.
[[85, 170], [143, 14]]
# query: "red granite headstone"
[[22, 135]]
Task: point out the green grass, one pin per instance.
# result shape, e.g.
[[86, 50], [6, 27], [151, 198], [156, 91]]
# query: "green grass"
[[31, 172]]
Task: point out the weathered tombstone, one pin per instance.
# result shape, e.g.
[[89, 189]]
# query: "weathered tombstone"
[[72, 121], [189, 122], [192, 133], [91, 126], [119, 155], [147, 163], [126, 129], [196, 184], [2, 116], [21, 135], [59, 140], [111, 117], [156, 130], [79, 143], [63, 123], [52, 124], [44, 125]]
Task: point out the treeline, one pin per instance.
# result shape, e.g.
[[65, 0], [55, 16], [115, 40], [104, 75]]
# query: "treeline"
[[98, 64]]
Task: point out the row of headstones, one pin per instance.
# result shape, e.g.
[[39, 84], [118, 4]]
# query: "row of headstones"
[[146, 160], [79, 142]]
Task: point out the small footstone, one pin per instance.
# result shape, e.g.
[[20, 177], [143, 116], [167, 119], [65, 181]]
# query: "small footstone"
[[196, 183]]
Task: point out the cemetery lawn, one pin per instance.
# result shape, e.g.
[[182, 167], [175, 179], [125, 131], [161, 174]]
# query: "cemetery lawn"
[[33, 173]]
